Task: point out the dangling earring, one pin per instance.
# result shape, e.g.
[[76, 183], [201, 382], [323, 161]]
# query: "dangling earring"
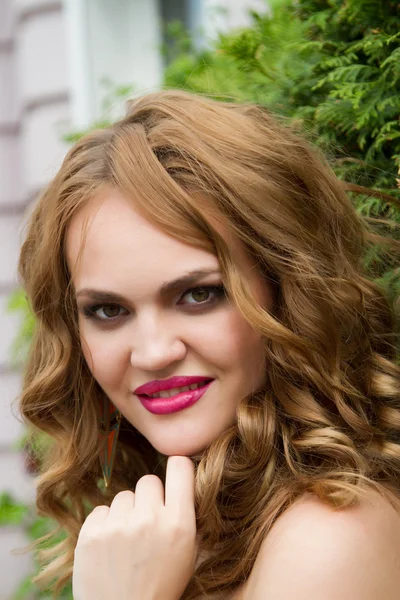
[[110, 423]]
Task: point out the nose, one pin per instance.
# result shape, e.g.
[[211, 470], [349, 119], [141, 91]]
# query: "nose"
[[156, 345]]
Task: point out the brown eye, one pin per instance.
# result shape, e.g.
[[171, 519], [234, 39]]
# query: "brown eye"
[[110, 310], [200, 295], [103, 312], [204, 295]]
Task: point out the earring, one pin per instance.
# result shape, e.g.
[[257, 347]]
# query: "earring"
[[110, 423]]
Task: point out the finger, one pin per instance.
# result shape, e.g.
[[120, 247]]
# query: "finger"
[[179, 485], [149, 492], [98, 514], [122, 504], [96, 517]]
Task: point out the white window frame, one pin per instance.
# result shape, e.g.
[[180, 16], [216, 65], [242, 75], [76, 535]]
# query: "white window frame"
[[119, 40]]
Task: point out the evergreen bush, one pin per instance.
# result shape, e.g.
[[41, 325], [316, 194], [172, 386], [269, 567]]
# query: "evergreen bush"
[[333, 68]]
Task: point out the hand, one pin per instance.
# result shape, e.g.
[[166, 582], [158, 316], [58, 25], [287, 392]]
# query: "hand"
[[142, 547]]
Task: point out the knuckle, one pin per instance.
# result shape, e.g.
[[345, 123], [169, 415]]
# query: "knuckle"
[[95, 516], [88, 537], [115, 531], [104, 534], [144, 524], [124, 494], [146, 521], [181, 530], [148, 479], [101, 508]]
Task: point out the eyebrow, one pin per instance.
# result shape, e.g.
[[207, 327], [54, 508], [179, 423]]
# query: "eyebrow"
[[167, 287]]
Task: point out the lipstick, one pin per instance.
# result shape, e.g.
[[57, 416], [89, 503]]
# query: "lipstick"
[[159, 385], [163, 406]]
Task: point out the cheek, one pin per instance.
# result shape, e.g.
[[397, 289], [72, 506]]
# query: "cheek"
[[232, 343], [245, 350], [103, 356]]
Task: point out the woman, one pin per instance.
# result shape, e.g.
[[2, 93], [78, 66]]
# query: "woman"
[[206, 240]]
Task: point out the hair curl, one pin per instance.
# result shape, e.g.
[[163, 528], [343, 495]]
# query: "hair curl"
[[328, 420]]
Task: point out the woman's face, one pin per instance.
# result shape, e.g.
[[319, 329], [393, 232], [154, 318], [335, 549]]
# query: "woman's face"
[[137, 334]]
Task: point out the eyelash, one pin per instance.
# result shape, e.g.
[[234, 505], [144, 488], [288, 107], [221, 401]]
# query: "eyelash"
[[90, 311]]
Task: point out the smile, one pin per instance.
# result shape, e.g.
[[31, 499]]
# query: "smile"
[[174, 391], [175, 399]]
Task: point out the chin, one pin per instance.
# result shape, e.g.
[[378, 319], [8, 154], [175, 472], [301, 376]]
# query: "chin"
[[179, 448]]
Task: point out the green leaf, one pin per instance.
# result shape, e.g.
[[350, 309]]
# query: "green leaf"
[[12, 512]]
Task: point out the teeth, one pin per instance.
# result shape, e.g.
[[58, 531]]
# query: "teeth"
[[174, 391]]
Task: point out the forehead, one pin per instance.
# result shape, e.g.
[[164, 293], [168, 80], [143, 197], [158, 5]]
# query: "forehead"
[[109, 236], [110, 245]]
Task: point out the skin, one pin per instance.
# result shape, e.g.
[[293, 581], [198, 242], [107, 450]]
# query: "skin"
[[143, 545], [352, 554], [154, 337]]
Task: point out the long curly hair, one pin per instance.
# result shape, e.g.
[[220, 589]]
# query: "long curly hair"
[[327, 420]]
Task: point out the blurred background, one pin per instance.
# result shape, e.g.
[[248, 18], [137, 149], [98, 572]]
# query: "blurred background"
[[67, 66]]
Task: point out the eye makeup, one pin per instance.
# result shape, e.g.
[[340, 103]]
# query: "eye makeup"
[[218, 292]]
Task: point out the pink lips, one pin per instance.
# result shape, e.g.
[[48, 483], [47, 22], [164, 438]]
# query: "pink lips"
[[163, 406], [159, 385]]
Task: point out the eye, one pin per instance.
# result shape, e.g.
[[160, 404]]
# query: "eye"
[[202, 294], [92, 312]]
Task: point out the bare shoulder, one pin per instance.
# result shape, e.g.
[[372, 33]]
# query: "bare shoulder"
[[314, 552]]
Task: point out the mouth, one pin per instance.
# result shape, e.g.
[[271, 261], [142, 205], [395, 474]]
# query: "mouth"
[[175, 399], [173, 392]]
